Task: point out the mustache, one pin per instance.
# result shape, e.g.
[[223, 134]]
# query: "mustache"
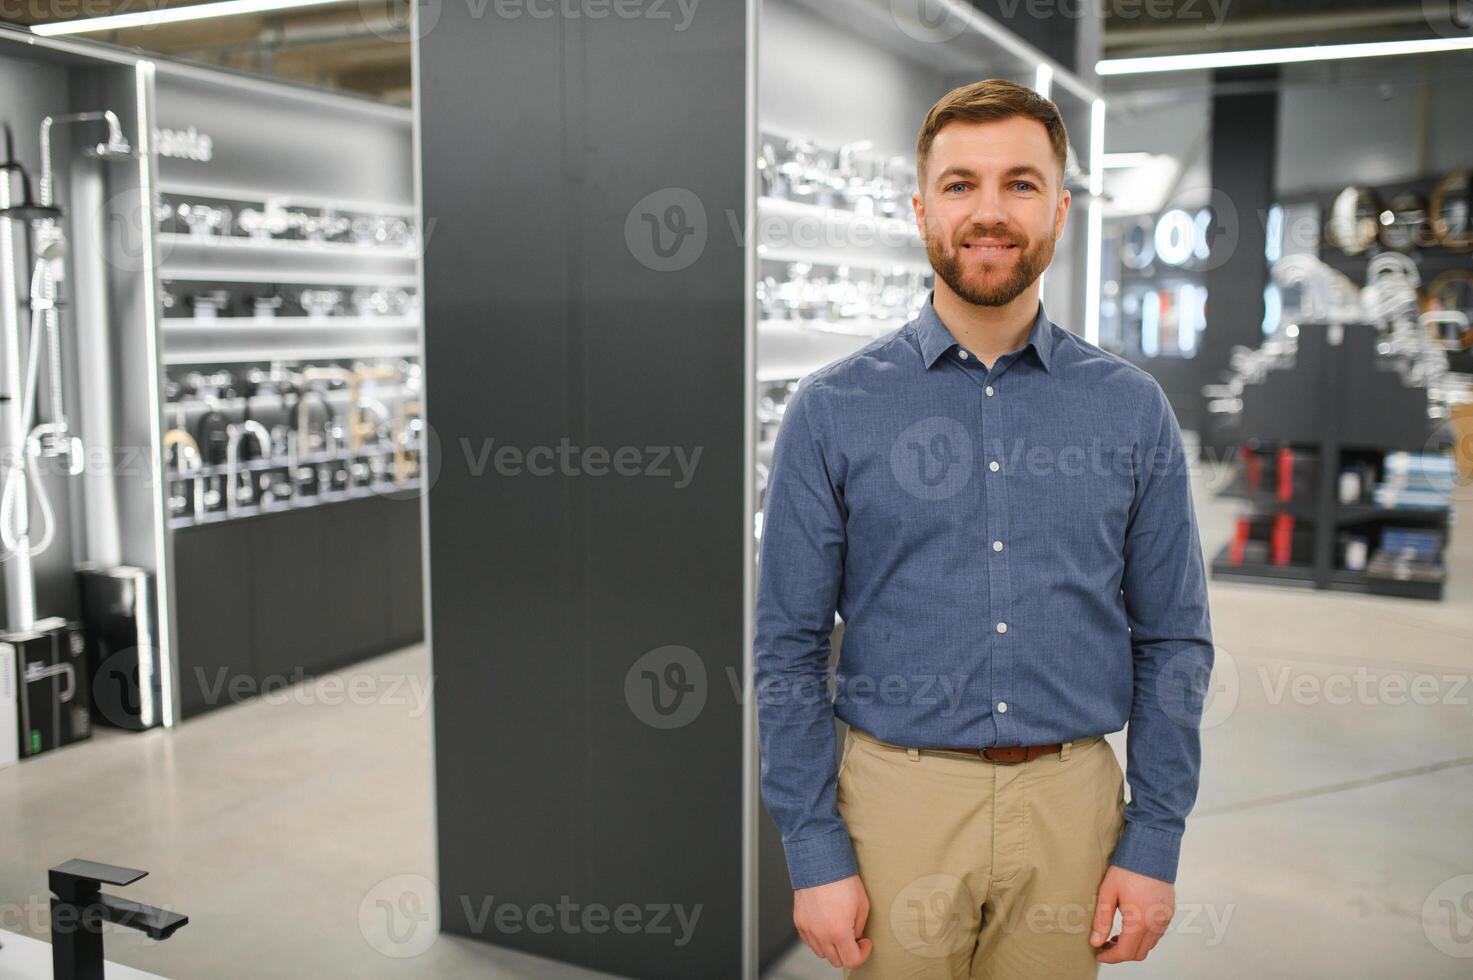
[[977, 231]]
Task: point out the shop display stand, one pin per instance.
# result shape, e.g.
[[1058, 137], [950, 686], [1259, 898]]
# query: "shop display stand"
[[1338, 398]]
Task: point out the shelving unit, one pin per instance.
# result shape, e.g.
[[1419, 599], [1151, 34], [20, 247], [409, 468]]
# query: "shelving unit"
[[1337, 401], [317, 562]]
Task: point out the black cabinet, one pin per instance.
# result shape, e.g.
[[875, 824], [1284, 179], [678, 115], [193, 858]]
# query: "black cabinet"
[[271, 599], [213, 596]]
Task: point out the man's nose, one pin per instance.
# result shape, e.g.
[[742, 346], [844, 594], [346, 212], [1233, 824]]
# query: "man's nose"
[[987, 209]]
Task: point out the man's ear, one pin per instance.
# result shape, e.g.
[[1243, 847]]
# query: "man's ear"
[[918, 205], [1062, 215]]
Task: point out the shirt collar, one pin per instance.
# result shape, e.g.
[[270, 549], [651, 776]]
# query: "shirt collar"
[[936, 339]]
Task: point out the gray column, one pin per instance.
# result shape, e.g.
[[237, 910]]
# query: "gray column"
[[585, 343]]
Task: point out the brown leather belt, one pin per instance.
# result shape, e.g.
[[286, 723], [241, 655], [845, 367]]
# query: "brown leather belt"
[[1017, 753]]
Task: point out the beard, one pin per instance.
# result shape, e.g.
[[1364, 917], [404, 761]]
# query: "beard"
[[980, 286]]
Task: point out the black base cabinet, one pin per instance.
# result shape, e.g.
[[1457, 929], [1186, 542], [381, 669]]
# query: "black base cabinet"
[[268, 600]]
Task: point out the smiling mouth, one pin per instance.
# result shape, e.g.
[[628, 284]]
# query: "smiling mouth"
[[988, 250]]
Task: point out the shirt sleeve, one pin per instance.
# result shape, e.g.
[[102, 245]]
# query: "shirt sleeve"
[[798, 581], [1165, 592]]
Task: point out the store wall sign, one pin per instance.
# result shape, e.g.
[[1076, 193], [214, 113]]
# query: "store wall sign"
[[184, 144]]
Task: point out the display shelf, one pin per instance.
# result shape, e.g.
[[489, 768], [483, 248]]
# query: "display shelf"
[[305, 502], [855, 259], [1292, 574], [208, 470], [1345, 580], [246, 324], [174, 242], [1300, 507], [1367, 513], [902, 232], [295, 276], [178, 188], [789, 349], [1338, 401], [349, 347]]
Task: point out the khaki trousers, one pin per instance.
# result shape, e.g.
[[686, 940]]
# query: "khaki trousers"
[[979, 870]]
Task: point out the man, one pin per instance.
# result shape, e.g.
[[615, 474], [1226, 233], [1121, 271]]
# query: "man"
[[1001, 514]]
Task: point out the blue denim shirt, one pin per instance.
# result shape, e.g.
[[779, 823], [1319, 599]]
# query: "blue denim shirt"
[[1015, 556]]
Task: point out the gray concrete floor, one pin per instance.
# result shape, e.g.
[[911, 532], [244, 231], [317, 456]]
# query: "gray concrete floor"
[[1327, 841]]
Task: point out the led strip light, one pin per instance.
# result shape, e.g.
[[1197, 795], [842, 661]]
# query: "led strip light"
[[172, 15], [1280, 56]]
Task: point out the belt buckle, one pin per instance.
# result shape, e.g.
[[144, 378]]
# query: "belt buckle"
[[1007, 754]]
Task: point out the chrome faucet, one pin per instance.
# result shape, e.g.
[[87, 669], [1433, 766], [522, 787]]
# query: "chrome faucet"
[[233, 435], [190, 460]]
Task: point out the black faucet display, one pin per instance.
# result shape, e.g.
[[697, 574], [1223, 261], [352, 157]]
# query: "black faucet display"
[[79, 908]]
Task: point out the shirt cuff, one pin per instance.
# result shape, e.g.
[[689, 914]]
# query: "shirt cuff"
[[1148, 851], [820, 860]]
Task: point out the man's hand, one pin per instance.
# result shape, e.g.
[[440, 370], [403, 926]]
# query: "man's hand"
[[1146, 907], [831, 917]]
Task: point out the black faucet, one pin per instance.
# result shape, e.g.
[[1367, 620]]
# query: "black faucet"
[[78, 910]]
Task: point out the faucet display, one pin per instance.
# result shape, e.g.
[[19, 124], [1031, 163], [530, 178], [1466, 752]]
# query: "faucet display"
[[406, 461], [190, 461], [358, 428], [234, 434], [327, 432], [79, 909]]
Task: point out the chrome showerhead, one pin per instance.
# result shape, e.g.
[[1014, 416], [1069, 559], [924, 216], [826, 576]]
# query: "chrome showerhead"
[[29, 211]]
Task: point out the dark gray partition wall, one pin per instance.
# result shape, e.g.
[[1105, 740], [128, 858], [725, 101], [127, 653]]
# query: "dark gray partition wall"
[[570, 315]]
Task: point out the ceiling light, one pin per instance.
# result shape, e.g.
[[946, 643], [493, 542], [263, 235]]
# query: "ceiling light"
[[172, 15], [1279, 56]]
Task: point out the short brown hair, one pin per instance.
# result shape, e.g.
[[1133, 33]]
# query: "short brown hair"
[[987, 101]]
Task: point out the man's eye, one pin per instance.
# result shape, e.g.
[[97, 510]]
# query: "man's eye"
[[953, 187], [1024, 184]]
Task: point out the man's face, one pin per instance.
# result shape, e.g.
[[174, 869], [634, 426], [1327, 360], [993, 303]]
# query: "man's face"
[[990, 207]]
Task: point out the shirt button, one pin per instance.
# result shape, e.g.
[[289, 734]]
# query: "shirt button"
[[990, 392], [1002, 627], [997, 546], [1002, 707], [962, 354], [993, 466]]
